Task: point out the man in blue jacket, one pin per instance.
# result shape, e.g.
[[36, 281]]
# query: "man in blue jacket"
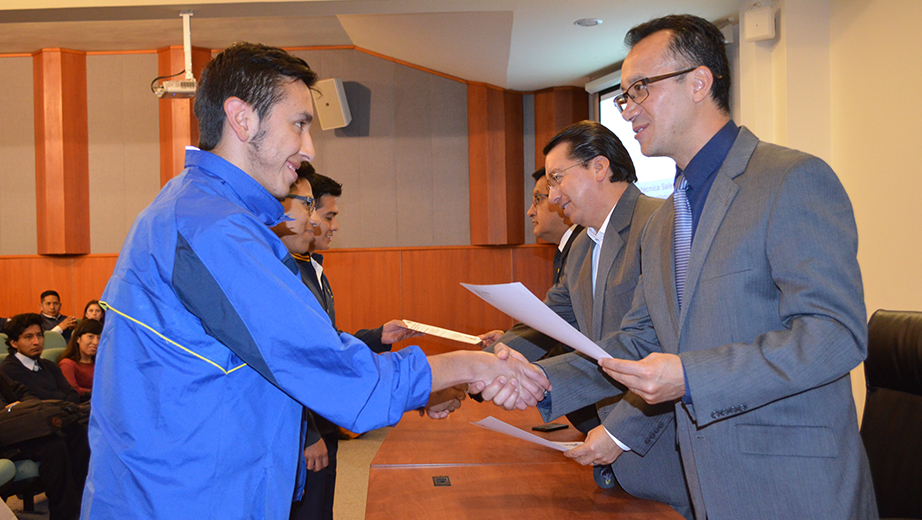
[[200, 381]]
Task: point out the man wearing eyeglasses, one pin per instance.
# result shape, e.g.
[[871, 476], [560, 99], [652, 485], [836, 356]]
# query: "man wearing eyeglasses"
[[591, 178], [750, 313], [550, 224]]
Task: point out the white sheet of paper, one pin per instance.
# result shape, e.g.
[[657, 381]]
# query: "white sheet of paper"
[[442, 333], [494, 424], [517, 301]]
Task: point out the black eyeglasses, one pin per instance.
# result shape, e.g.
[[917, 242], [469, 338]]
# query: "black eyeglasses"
[[309, 202], [638, 92], [537, 198]]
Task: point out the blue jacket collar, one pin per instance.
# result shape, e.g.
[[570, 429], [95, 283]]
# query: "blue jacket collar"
[[249, 193]]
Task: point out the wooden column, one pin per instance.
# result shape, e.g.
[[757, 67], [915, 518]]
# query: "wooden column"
[[62, 168], [495, 151], [555, 109], [178, 126]]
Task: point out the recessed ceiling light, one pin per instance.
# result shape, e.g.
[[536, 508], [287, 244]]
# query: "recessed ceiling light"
[[588, 22]]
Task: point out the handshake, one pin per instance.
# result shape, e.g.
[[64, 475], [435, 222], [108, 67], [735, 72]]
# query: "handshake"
[[504, 377]]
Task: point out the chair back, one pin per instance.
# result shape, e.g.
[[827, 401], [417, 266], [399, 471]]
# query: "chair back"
[[54, 340], [892, 424]]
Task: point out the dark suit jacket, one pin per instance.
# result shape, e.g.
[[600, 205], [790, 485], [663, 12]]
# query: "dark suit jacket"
[[48, 383], [565, 252], [772, 321]]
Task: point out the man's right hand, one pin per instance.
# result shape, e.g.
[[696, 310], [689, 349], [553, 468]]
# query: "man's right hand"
[[68, 323], [316, 456], [511, 393]]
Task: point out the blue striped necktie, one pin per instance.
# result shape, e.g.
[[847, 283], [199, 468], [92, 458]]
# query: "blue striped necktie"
[[683, 235]]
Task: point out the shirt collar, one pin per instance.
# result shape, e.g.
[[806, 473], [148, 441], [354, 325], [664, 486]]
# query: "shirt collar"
[[709, 158], [250, 194], [565, 237], [28, 362], [599, 236]]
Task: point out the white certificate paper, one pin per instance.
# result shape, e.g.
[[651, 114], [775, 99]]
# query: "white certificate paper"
[[442, 333], [494, 424], [517, 301]]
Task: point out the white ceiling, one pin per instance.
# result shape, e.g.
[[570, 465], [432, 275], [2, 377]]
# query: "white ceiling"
[[516, 44]]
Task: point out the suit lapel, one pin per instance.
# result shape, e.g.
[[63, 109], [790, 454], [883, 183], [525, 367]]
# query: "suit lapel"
[[611, 247], [719, 198]]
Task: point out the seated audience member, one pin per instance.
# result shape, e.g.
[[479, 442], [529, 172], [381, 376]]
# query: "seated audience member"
[[79, 358], [52, 319], [56, 471], [94, 311], [26, 341]]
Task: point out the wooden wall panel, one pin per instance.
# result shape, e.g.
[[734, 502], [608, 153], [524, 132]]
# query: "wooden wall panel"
[[432, 293], [555, 109], [534, 266], [61, 152], [496, 164], [178, 126], [26, 277], [371, 286], [91, 274], [366, 287]]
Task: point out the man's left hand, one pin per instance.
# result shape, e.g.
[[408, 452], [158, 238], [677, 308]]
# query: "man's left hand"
[[656, 378], [598, 450]]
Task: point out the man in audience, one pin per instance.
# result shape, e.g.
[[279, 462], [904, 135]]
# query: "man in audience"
[[44, 380], [591, 176], [52, 319], [213, 345], [55, 468], [43, 377], [750, 313]]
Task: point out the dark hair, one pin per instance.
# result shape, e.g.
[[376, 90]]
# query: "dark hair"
[[588, 140], [252, 72], [538, 174], [695, 41], [72, 351], [323, 185], [17, 325], [49, 293], [96, 303]]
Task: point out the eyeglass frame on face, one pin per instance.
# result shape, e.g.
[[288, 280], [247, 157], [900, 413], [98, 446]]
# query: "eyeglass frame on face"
[[553, 178], [308, 201], [621, 99], [538, 197]]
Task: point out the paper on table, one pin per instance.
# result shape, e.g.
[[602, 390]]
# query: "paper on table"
[[494, 424], [442, 333], [517, 301]]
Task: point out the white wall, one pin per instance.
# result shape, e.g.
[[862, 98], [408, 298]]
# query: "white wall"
[[840, 81]]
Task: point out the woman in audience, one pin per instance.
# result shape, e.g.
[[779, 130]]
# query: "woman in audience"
[[94, 311], [79, 358]]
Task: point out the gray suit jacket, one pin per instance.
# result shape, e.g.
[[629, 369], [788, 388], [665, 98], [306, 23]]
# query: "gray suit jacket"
[[773, 321], [647, 473]]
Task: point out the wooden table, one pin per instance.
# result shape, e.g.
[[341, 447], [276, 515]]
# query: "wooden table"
[[491, 475]]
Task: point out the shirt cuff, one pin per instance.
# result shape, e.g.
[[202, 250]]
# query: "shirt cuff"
[[687, 397], [619, 443], [58, 329], [544, 405]]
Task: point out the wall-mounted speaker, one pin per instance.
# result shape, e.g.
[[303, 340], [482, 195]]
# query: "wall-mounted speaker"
[[330, 104]]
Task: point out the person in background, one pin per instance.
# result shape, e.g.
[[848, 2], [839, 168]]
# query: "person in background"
[[79, 358], [52, 319], [94, 311], [43, 379]]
